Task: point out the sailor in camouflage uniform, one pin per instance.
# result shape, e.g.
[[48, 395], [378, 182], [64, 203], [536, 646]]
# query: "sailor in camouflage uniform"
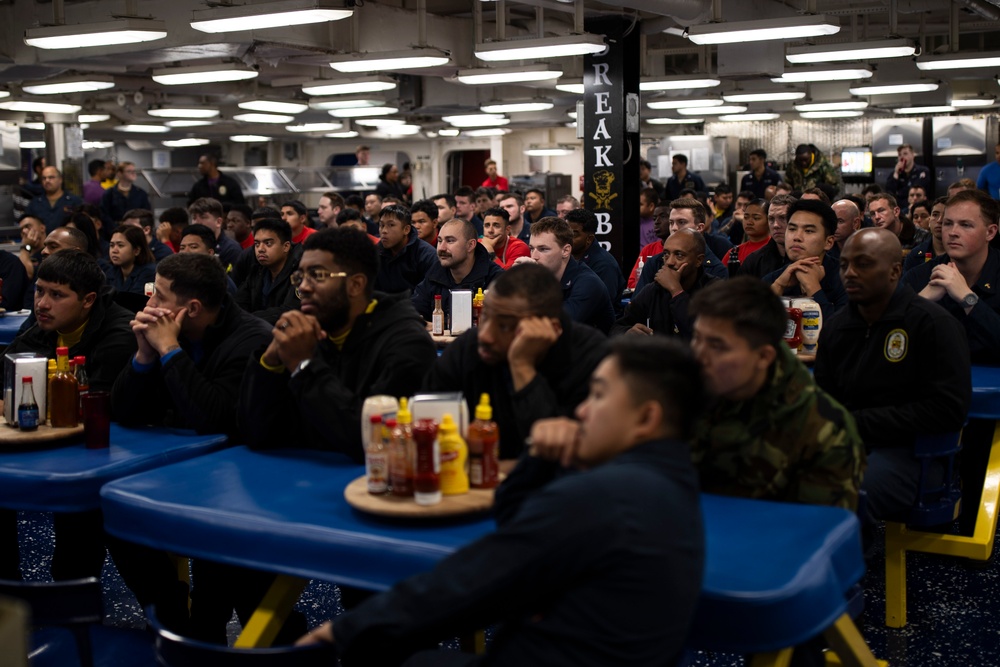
[[771, 433], [810, 169]]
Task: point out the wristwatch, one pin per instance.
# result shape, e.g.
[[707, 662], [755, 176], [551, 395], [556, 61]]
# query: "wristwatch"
[[26, 246], [970, 300]]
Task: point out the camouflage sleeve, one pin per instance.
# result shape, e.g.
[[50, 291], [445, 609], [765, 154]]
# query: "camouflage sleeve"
[[832, 464]]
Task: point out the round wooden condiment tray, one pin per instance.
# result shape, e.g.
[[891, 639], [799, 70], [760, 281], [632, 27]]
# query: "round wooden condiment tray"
[[357, 496], [44, 433]]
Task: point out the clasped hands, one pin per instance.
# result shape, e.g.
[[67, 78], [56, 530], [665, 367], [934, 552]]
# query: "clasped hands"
[[157, 332], [295, 337]]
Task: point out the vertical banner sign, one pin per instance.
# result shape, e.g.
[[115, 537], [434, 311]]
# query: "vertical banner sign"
[[611, 137]]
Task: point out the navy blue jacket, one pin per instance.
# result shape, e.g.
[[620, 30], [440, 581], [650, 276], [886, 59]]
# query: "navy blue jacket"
[[664, 314], [585, 298], [439, 281], [606, 267], [403, 272], [713, 266], [52, 216], [114, 205], [691, 180], [136, 281], [831, 296], [750, 182]]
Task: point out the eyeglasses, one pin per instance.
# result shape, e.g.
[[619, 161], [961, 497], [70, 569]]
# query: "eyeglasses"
[[318, 276]]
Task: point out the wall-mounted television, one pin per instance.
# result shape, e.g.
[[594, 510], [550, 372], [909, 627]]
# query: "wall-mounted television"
[[856, 161]]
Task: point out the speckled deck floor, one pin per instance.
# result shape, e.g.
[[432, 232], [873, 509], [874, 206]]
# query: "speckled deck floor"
[[953, 606]]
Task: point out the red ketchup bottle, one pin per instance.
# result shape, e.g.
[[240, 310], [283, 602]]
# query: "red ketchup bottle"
[[427, 472], [793, 328]]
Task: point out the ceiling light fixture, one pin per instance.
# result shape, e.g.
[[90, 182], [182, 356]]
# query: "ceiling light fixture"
[[32, 144], [544, 47], [404, 130], [249, 138], [187, 123], [349, 134], [959, 61], [184, 143], [792, 27], [807, 75], [973, 102], [380, 122], [361, 112], [39, 107], [571, 88], [76, 84], [142, 129], [273, 106], [327, 103], [712, 111], [388, 61], [674, 121], [93, 117], [928, 109], [895, 88], [778, 96], [476, 120], [677, 83], [824, 53], [183, 112], [477, 77], [516, 107], [233, 18], [97, 145], [690, 104], [749, 116], [33, 126], [277, 119], [448, 132], [364, 84], [315, 127], [845, 113], [106, 33], [832, 106], [217, 73], [486, 132]]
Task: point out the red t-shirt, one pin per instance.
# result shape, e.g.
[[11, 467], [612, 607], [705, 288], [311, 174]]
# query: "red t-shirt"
[[247, 242], [511, 249], [648, 250], [303, 235], [745, 249], [499, 184]]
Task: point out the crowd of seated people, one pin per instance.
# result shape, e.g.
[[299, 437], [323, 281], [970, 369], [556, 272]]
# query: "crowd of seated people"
[[273, 328]]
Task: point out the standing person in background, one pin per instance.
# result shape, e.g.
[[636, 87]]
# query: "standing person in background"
[[761, 176], [388, 183], [989, 177], [682, 179], [54, 205], [493, 178], [810, 168], [123, 197], [908, 174], [646, 179], [362, 153], [92, 190], [215, 184]]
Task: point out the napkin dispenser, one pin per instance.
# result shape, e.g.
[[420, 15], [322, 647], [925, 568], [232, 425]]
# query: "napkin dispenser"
[[17, 366], [437, 405], [461, 311]]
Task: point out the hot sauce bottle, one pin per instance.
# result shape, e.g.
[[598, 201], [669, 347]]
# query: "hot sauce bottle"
[[63, 392], [427, 473], [484, 459]]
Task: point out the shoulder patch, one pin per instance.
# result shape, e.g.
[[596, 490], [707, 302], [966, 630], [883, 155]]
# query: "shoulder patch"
[[896, 345]]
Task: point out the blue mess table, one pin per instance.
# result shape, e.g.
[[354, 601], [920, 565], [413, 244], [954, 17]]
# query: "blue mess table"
[[776, 574], [65, 476], [10, 324]]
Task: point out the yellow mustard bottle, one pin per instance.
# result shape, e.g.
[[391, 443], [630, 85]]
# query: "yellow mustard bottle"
[[454, 455]]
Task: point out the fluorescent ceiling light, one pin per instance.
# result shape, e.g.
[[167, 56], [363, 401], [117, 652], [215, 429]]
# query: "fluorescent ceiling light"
[[77, 84], [93, 117], [689, 104], [793, 27], [4, 93], [364, 84], [32, 144], [749, 116], [233, 18], [184, 143], [448, 132], [379, 122], [959, 61], [327, 103], [549, 152], [545, 47], [712, 111], [349, 134], [39, 107], [516, 107], [142, 129], [572, 124], [674, 121], [277, 119], [476, 120], [806, 75], [273, 106], [105, 33], [927, 109], [571, 88], [187, 123], [388, 61], [571, 114], [850, 105], [183, 112], [362, 112], [249, 138], [893, 88], [845, 113], [973, 102], [486, 132], [315, 127], [33, 126], [677, 83], [777, 96], [96, 145], [478, 77], [400, 130], [884, 48], [180, 76]]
